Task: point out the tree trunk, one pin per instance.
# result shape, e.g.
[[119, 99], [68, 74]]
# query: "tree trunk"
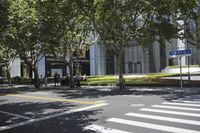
[[71, 81], [120, 68], [8, 75], [163, 62], [36, 77], [198, 38], [198, 55]]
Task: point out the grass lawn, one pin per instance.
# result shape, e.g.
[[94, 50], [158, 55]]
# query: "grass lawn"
[[108, 80]]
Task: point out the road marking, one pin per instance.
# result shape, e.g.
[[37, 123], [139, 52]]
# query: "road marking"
[[185, 121], [185, 101], [53, 99], [21, 116], [38, 93], [137, 105], [170, 112], [101, 129], [50, 116], [100, 101], [172, 107], [181, 104], [135, 96], [152, 126]]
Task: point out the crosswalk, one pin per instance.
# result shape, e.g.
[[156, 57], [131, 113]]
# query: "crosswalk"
[[173, 116]]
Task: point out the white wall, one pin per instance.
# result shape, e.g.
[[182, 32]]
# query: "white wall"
[[41, 67], [133, 54], [15, 68], [92, 60], [156, 50], [97, 59]]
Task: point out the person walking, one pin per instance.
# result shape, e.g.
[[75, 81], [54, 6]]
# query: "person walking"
[[1, 81], [45, 81], [78, 80], [55, 78]]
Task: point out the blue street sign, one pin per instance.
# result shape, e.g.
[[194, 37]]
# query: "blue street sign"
[[178, 53]]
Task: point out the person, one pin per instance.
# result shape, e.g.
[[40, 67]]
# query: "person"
[[45, 81], [78, 80], [41, 80], [67, 80], [55, 78], [84, 77], [58, 79], [1, 80]]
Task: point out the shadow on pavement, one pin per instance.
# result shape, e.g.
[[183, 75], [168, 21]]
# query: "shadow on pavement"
[[36, 110], [102, 92], [97, 93], [71, 123]]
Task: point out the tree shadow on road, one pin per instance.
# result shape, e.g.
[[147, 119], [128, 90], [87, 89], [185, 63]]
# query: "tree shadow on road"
[[96, 93], [70, 123], [66, 123], [183, 97]]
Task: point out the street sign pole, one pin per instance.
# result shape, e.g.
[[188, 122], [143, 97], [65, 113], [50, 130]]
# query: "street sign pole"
[[179, 54], [181, 76]]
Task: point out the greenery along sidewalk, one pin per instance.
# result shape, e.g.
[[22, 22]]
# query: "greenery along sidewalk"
[[113, 80]]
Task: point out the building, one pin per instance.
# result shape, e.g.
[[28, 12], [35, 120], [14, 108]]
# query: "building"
[[139, 59], [48, 66], [99, 61]]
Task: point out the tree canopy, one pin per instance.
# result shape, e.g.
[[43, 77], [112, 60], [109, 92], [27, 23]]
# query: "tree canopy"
[[118, 22], [37, 27]]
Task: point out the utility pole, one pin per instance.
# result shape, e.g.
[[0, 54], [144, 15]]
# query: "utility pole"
[[181, 76]]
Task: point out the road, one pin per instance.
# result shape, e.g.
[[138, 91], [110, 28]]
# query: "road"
[[100, 109]]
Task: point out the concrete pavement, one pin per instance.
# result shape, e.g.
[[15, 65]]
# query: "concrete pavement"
[[100, 109]]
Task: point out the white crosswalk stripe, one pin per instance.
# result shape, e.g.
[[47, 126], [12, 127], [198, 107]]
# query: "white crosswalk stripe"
[[152, 126], [173, 107], [170, 109], [171, 112], [186, 101], [101, 129], [181, 104], [155, 117]]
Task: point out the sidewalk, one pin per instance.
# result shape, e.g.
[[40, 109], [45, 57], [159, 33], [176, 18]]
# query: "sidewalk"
[[192, 77]]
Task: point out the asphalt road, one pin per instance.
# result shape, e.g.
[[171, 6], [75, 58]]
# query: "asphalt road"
[[100, 109]]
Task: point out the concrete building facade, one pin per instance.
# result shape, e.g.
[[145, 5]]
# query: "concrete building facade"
[[99, 61], [150, 58]]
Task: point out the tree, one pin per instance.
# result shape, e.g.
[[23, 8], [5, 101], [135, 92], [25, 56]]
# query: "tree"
[[197, 35], [7, 57], [118, 22], [23, 34], [184, 16], [77, 38], [69, 29], [192, 28], [4, 4]]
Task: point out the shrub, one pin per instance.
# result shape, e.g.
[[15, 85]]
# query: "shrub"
[[16, 79]]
